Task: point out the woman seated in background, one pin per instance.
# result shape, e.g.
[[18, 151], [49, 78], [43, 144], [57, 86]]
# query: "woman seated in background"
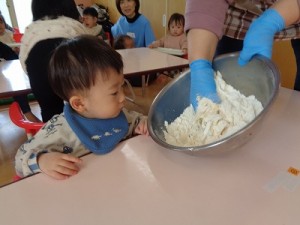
[[136, 26], [53, 21], [133, 24]]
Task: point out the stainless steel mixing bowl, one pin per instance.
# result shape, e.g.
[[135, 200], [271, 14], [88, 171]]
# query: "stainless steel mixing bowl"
[[260, 78]]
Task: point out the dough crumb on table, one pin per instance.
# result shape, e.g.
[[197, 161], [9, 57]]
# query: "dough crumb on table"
[[211, 121]]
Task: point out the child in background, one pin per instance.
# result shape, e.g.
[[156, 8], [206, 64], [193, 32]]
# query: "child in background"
[[90, 18], [123, 42], [6, 35], [176, 38], [87, 74]]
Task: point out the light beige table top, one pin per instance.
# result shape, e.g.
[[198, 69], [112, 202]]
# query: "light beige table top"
[[137, 61], [13, 79], [142, 183], [14, 44], [141, 61]]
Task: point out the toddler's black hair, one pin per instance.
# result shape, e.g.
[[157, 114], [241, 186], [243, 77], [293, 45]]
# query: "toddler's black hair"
[[177, 18], [90, 11], [76, 64]]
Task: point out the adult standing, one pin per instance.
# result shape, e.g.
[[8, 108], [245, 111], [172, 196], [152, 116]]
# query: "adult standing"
[[53, 21], [240, 15], [133, 24], [205, 23]]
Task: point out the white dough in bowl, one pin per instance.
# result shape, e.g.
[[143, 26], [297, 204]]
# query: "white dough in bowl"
[[211, 121]]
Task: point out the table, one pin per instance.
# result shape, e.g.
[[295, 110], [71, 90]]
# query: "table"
[[143, 61], [14, 44], [13, 80], [137, 62], [142, 183]]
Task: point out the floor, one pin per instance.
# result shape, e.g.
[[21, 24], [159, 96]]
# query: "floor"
[[11, 136]]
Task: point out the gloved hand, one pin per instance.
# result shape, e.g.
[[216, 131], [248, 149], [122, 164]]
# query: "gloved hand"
[[202, 82], [260, 36]]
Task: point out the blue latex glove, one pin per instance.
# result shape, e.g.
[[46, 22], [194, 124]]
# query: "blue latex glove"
[[202, 82], [260, 36]]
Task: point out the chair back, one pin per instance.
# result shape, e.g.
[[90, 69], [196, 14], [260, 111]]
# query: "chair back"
[[17, 37], [17, 117]]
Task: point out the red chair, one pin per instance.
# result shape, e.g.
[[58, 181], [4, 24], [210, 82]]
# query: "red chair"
[[17, 117], [17, 37]]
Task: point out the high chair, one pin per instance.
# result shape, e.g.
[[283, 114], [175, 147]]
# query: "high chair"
[[17, 37], [17, 117], [132, 98]]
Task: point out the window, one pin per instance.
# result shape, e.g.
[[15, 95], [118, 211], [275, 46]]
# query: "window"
[[5, 12], [23, 13], [19, 12]]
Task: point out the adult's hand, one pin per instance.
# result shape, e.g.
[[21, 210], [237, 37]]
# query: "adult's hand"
[[202, 82], [260, 36]]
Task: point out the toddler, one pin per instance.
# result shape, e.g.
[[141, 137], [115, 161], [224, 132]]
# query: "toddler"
[[90, 18], [175, 38], [87, 74], [123, 42], [6, 35]]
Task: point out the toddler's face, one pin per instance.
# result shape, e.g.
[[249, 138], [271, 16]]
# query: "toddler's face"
[[129, 43], [176, 29], [89, 21], [2, 27], [106, 98]]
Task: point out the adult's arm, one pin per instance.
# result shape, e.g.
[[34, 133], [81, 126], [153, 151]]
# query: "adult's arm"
[[260, 36], [204, 24], [288, 9], [149, 34]]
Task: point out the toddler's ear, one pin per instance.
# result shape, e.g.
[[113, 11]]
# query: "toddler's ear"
[[77, 103]]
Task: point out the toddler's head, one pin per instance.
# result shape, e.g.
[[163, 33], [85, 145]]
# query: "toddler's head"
[[90, 17], [176, 24], [88, 73], [123, 42]]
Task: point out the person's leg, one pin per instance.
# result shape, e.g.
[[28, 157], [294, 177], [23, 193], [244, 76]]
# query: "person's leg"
[[228, 45], [296, 47], [37, 68], [49, 102], [25, 107]]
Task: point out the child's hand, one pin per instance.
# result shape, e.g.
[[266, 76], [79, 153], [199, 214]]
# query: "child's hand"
[[142, 127], [58, 165], [154, 44]]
